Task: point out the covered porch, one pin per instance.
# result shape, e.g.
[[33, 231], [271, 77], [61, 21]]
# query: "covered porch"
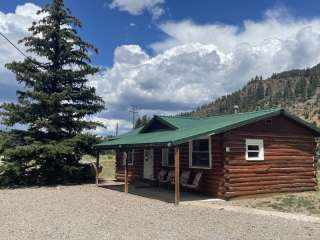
[[155, 192], [175, 146], [143, 179], [194, 168]]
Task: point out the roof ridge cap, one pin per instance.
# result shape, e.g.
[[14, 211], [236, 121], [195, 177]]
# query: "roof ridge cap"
[[221, 115], [264, 110], [172, 116], [235, 114]]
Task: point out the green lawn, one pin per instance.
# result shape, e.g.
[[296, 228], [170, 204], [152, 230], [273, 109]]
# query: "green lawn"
[[108, 165]]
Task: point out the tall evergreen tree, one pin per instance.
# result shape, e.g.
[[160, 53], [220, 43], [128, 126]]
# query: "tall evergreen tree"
[[53, 105], [260, 90], [141, 121], [300, 88]]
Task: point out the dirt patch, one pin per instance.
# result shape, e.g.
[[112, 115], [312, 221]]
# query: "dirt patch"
[[306, 203]]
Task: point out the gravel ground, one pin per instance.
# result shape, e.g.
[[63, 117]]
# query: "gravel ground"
[[88, 212]]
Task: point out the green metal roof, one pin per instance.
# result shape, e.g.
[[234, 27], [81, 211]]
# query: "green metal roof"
[[187, 128]]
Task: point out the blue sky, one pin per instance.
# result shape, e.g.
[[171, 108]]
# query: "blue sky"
[[168, 56], [108, 28]]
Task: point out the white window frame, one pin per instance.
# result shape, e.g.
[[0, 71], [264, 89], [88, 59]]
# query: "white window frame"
[[210, 153], [165, 158], [256, 142], [132, 157]]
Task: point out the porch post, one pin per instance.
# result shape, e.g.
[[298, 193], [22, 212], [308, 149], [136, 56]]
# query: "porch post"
[[97, 167], [126, 175], [177, 175]]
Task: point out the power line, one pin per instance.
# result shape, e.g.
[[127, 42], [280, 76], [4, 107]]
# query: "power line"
[[13, 45]]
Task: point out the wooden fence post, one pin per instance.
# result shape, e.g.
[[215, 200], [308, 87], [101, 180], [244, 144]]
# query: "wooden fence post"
[[177, 174], [126, 187], [97, 167]]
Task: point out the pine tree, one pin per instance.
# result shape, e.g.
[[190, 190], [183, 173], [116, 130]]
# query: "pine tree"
[[137, 123], [300, 88], [141, 121], [268, 91], [260, 90], [53, 106]]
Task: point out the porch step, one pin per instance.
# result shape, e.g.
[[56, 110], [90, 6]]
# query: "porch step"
[[103, 180], [120, 176]]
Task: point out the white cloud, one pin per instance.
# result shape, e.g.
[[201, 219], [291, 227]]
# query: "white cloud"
[[137, 7], [228, 37], [195, 64], [110, 126], [20, 20], [178, 79], [198, 63], [14, 26]]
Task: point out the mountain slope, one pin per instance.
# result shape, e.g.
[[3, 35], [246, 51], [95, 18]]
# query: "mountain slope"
[[296, 90]]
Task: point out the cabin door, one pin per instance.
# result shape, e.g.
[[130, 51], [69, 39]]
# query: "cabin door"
[[148, 164]]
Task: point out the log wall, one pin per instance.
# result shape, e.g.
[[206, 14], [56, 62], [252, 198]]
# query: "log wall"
[[212, 182], [288, 164], [135, 171]]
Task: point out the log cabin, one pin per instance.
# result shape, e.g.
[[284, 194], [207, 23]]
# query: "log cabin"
[[240, 154]]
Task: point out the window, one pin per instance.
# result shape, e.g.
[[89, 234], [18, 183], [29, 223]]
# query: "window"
[[168, 157], [200, 153], [130, 157], [254, 149]]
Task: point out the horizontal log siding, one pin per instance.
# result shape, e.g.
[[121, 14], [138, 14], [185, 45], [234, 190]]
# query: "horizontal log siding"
[[135, 171], [213, 181], [288, 164]]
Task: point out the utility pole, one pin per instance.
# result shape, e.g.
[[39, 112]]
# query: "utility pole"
[[117, 128], [133, 110]]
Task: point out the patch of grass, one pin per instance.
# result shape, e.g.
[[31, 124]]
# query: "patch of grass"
[[318, 179], [304, 202], [107, 162], [307, 203]]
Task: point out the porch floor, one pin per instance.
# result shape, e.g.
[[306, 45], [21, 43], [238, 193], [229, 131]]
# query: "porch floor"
[[154, 192]]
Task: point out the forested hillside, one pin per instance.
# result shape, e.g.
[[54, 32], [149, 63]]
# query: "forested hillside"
[[297, 90]]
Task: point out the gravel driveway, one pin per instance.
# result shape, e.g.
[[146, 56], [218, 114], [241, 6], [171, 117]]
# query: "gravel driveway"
[[88, 212]]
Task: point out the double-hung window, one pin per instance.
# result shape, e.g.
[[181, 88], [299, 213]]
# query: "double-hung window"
[[168, 157], [130, 157], [254, 150], [200, 153]]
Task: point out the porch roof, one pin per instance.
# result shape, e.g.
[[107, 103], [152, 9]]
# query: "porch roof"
[[182, 129]]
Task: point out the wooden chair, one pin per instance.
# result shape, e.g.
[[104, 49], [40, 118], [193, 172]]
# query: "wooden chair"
[[196, 182], [168, 178], [184, 178], [185, 175], [162, 176]]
